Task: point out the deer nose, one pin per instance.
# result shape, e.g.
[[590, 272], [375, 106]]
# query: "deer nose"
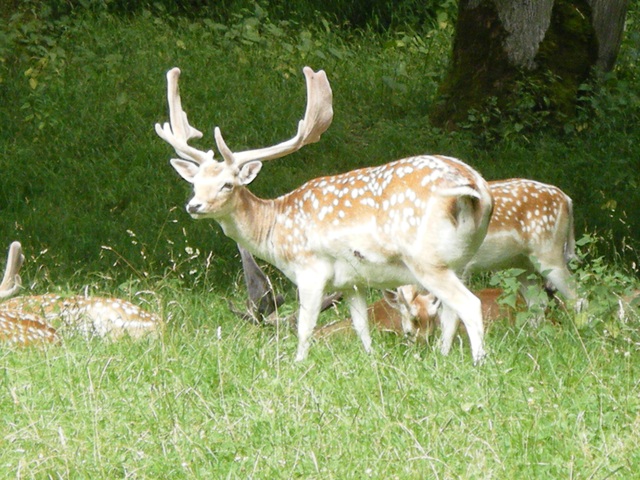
[[193, 207]]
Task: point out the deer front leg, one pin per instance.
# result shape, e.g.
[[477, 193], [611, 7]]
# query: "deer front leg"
[[311, 294], [359, 317], [457, 302]]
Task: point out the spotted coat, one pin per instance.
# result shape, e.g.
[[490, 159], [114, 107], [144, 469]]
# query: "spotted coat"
[[102, 316], [25, 329], [531, 228]]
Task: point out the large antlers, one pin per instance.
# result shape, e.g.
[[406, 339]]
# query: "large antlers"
[[179, 132], [317, 118], [11, 281]]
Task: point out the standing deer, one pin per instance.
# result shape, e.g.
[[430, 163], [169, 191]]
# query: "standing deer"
[[263, 302], [531, 228], [418, 220]]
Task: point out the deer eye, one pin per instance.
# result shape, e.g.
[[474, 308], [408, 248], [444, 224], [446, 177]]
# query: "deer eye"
[[226, 187]]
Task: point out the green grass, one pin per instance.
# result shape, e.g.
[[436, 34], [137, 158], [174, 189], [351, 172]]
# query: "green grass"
[[86, 187], [217, 398]]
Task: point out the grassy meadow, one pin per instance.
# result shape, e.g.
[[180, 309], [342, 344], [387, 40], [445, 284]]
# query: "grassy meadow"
[[87, 188]]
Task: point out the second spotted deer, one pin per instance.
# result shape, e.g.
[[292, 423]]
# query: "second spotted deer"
[[532, 229]]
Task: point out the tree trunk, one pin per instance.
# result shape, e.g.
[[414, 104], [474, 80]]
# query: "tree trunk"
[[608, 23], [505, 51]]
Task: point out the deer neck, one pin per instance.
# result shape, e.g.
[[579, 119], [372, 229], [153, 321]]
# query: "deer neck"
[[250, 223]]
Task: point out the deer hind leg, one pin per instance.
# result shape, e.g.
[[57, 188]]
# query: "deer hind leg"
[[358, 308], [449, 322], [458, 303]]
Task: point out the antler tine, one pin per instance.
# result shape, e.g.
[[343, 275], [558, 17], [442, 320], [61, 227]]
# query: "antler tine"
[[11, 282], [317, 118], [179, 132]]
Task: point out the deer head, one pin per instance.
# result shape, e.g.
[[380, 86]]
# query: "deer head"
[[214, 182]]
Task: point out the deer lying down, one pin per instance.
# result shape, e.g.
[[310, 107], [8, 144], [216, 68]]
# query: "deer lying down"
[[25, 320], [421, 310], [25, 329], [418, 220], [385, 316], [108, 317]]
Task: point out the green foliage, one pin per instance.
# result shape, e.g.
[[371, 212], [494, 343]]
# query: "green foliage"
[[86, 186], [360, 14]]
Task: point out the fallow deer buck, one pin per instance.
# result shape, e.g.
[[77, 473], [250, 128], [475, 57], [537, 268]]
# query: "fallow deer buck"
[[413, 221], [263, 302]]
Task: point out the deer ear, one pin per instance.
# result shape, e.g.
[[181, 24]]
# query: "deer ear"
[[391, 297], [433, 304], [248, 172], [185, 168]]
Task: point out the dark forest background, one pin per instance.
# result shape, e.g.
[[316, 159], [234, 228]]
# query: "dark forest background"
[[86, 185]]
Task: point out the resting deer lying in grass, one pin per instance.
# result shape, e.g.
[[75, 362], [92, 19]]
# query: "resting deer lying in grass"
[[413, 221], [29, 316], [422, 310], [109, 317], [385, 315], [25, 329]]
